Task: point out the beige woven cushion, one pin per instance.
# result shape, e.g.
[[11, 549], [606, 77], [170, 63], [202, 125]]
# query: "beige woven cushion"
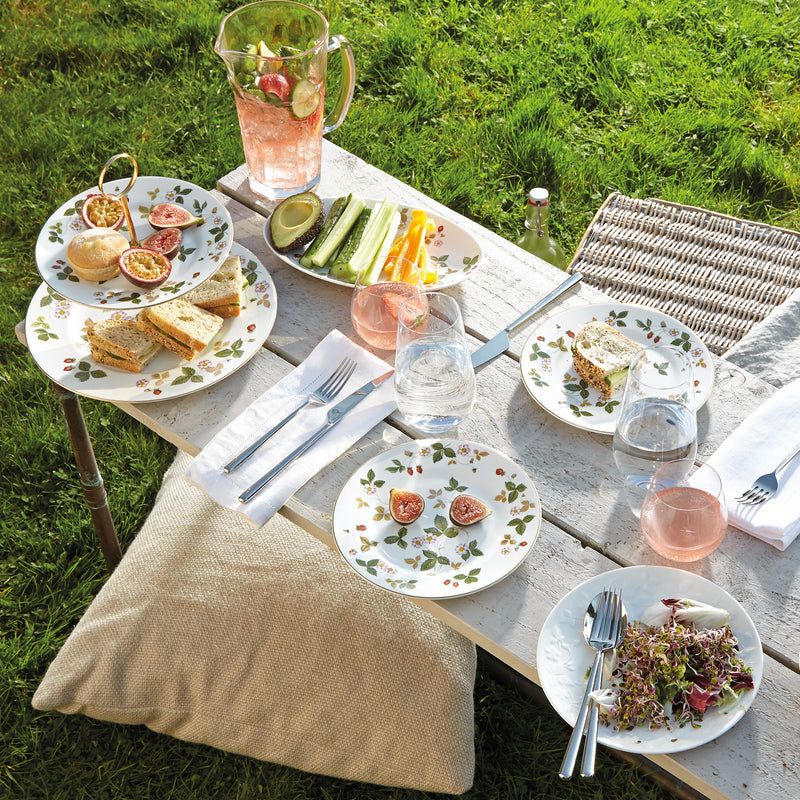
[[262, 642]]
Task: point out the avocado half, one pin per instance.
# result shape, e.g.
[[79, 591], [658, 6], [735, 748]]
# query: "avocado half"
[[296, 221]]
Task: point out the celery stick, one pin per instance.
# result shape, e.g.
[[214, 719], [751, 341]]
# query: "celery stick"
[[339, 231], [383, 251]]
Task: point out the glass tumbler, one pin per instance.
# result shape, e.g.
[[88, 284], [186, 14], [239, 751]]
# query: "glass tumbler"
[[657, 420], [434, 380]]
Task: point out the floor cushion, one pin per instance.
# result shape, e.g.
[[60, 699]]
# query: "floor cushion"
[[263, 642]]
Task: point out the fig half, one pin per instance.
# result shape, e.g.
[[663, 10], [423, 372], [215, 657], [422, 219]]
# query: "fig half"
[[467, 510], [144, 268], [167, 242], [405, 506], [170, 215]]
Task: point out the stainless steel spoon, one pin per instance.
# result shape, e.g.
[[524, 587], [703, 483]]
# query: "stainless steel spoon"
[[590, 749]]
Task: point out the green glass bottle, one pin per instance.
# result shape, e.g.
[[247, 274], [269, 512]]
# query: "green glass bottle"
[[537, 239]]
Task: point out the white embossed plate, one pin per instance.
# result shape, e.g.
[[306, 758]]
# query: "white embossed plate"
[[563, 658], [455, 252], [56, 333], [203, 249], [551, 379], [432, 557]]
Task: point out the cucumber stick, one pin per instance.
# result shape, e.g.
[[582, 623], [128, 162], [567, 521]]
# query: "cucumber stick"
[[333, 215], [353, 259], [342, 226], [341, 266]]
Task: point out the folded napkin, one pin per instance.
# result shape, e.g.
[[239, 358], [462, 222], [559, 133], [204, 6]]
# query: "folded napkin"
[[771, 349], [289, 393], [755, 448]]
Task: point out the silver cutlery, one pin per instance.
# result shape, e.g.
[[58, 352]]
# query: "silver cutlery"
[[618, 625], [319, 397], [500, 342], [765, 487], [335, 415], [599, 630]]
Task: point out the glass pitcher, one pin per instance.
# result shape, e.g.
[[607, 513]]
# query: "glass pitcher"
[[276, 55]]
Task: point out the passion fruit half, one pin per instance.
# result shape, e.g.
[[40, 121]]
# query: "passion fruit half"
[[405, 506], [170, 215], [144, 268], [166, 242], [467, 510], [102, 211]]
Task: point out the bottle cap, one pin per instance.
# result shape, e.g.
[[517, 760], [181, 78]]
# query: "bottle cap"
[[538, 197]]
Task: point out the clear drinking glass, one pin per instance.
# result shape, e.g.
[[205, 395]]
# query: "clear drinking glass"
[[276, 55], [434, 381], [684, 516], [657, 420], [376, 302]]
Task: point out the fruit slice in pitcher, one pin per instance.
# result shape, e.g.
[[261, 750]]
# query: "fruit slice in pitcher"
[[305, 99]]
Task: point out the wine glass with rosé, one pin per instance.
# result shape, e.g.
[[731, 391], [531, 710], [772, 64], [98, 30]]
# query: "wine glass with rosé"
[[377, 298], [684, 515]]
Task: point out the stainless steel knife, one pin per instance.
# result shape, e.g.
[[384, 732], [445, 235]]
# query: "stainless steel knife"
[[500, 342], [335, 416]]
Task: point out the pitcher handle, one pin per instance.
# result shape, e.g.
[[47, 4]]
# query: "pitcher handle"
[[333, 120]]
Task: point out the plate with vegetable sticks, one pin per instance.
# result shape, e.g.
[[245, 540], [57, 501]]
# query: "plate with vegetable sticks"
[[563, 656], [449, 252]]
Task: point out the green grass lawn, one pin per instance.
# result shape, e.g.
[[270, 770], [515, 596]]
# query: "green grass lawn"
[[470, 101]]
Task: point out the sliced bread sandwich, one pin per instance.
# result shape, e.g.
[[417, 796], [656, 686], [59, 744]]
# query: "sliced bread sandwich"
[[120, 343], [180, 326], [602, 355], [221, 293]]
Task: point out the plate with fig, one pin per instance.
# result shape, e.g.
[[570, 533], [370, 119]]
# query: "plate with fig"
[[198, 238], [437, 518], [56, 335]]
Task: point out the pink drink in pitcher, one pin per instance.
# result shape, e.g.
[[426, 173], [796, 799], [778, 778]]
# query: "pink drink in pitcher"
[[276, 55]]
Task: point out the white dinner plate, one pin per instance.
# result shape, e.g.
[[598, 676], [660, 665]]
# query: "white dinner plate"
[[56, 335], [432, 557], [455, 252], [203, 248], [563, 657], [550, 377]]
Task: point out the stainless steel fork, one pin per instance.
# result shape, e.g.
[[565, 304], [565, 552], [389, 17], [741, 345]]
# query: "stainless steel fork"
[[765, 487], [319, 397]]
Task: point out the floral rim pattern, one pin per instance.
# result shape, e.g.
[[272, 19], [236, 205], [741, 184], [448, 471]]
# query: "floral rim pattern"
[[551, 379], [433, 557], [203, 249], [56, 335]]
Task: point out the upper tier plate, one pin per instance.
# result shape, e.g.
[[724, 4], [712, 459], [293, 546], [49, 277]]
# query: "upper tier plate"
[[455, 252], [203, 249]]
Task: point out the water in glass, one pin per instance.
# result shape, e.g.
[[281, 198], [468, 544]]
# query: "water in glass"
[[657, 421], [434, 379]]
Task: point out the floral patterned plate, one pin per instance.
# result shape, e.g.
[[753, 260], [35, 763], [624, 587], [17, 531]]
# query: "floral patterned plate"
[[551, 380], [56, 334], [455, 252], [203, 249], [563, 657], [433, 557]]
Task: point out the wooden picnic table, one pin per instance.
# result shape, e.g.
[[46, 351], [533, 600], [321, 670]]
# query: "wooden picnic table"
[[587, 528]]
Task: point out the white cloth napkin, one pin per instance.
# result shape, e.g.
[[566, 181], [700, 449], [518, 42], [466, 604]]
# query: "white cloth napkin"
[[755, 448], [289, 393]]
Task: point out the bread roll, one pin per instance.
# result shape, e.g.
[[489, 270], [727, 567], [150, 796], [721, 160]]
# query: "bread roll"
[[94, 253]]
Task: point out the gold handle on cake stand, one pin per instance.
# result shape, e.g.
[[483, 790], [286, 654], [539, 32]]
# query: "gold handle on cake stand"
[[122, 196]]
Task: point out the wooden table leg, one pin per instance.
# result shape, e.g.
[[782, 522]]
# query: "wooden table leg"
[[91, 480]]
